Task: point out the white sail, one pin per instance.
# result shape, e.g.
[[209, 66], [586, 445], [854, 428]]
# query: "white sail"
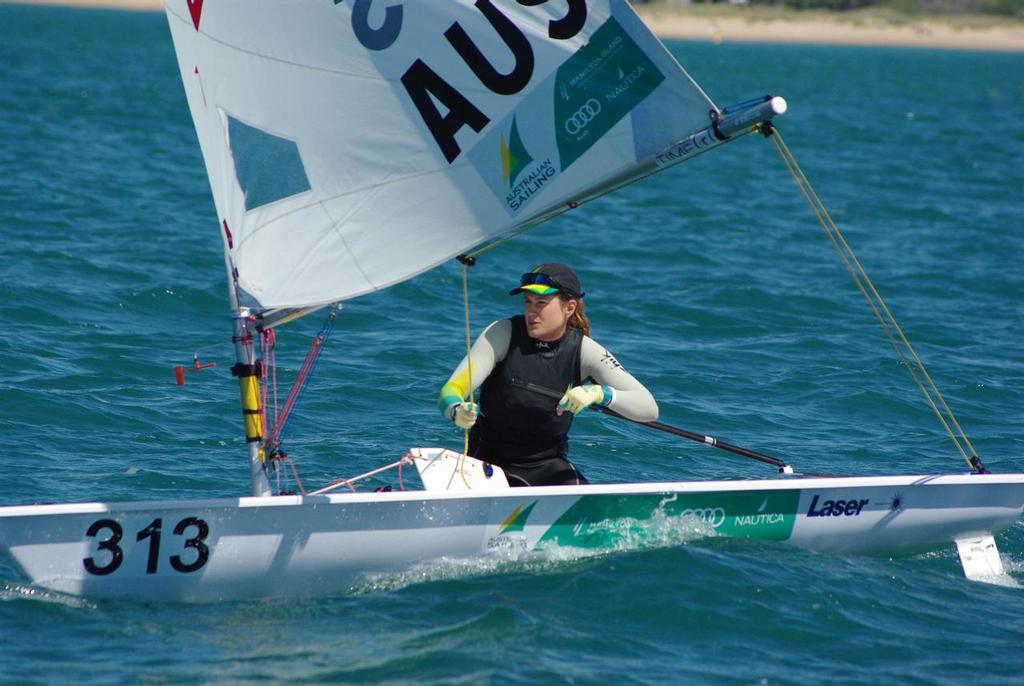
[[352, 144]]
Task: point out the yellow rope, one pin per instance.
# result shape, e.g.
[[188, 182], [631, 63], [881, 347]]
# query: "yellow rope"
[[875, 301]]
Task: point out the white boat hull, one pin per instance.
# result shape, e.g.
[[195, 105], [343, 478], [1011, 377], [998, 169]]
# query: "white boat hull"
[[211, 550]]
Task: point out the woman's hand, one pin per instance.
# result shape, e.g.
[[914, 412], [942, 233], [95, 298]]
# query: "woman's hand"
[[578, 398], [464, 415]]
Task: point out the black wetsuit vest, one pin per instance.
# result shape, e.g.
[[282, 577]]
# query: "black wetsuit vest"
[[518, 429]]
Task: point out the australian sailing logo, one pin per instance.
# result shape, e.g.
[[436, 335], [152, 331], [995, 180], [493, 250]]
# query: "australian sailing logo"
[[514, 157], [510, 536], [521, 175], [517, 520]]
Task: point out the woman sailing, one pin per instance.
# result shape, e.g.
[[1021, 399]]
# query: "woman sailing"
[[548, 347]]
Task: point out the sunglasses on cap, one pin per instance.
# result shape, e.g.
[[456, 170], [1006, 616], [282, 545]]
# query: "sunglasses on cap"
[[542, 279]]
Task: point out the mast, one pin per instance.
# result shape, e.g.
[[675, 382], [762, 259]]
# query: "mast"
[[247, 369]]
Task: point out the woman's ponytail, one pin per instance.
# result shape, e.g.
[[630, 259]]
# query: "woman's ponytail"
[[579, 318]]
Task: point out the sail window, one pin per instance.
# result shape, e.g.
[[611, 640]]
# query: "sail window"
[[268, 167]]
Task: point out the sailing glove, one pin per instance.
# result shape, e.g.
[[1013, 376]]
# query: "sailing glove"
[[464, 414], [578, 398]]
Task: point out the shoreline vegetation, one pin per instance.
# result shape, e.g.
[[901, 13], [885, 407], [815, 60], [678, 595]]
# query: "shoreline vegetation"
[[723, 23]]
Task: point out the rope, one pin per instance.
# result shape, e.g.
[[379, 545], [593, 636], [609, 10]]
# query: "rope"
[[305, 371], [268, 347], [408, 458], [268, 387], [881, 311], [295, 475]]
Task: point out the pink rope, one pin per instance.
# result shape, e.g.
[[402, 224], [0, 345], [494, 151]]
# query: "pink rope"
[[334, 484], [272, 364], [293, 394], [295, 473], [405, 459], [268, 376], [268, 390]]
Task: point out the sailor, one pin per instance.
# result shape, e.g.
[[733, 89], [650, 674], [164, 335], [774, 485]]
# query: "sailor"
[[521, 364]]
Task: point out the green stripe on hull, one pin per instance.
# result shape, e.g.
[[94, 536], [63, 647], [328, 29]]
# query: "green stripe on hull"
[[605, 521]]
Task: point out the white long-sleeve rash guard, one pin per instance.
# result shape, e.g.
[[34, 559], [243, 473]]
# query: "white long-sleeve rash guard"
[[629, 397]]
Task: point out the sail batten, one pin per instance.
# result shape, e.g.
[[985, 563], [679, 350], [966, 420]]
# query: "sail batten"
[[349, 153]]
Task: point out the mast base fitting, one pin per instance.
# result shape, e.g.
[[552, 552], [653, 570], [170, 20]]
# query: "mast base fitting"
[[241, 370]]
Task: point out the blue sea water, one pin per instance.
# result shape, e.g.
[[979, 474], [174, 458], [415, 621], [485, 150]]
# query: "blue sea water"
[[711, 282]]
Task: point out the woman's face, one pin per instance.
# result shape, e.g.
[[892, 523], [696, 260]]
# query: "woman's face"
[[547, 316]]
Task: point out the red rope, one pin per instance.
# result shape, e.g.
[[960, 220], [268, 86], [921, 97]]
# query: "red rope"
[[295, 473], [406, 459], [268, 377], [293, 394], [268, 380]]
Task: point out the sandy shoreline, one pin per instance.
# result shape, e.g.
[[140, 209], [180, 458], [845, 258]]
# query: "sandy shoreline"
[[755, 24], [855, 28]]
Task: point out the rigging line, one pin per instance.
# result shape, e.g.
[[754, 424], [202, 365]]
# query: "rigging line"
[[268, 382], [305, 371], [268, 346], [845, 259], [295, 475], [337, 483], [791, 165], [874, 299], [849, 259], [896, 326]]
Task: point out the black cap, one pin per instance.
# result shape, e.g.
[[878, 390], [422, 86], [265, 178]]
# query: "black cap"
[[548, 278]]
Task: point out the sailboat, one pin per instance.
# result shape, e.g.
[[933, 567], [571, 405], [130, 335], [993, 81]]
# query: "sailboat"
[[352, 145]]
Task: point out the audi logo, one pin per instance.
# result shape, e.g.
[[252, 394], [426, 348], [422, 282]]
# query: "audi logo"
[[712, 516], [583, 116]]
